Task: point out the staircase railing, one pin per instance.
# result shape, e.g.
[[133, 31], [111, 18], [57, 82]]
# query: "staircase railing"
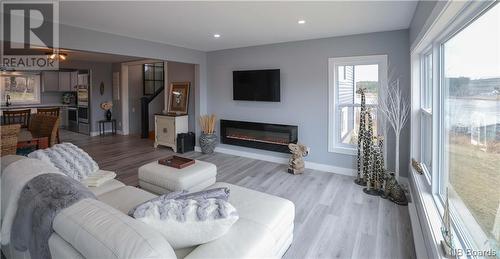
[[145, 100]]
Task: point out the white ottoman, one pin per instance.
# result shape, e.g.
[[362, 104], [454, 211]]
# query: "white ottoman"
[[161, 179]]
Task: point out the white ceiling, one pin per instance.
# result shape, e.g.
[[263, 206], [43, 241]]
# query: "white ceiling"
[[240, 24]]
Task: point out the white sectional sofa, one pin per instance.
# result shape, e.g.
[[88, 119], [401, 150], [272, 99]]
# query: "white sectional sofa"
[[101, 229]]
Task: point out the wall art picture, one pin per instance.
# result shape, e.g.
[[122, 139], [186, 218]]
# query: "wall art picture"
[[178, 97]]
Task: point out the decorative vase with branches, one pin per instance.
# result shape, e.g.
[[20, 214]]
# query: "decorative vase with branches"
[[395, 109], [208, 138]]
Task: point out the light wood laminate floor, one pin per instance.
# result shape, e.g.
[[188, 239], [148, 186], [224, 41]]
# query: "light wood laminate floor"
[[334, 218]]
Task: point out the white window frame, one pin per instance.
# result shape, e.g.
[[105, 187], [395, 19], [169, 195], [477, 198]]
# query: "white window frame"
[[425, 111], [334, 128], [452, 18], [37, 89]]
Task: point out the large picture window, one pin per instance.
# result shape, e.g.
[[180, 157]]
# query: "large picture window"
[[346, 76], [20, 88], [470, 133], [455, 127]]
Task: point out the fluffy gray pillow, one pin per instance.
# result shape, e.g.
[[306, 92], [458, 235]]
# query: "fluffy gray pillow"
[[187, 220]]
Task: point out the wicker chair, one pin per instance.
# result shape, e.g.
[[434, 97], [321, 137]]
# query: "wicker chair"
[[8, 144], [48, 111], [52, 112], [42, 125]]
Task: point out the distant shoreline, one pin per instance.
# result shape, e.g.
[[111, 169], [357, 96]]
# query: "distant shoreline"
[[482, 98]]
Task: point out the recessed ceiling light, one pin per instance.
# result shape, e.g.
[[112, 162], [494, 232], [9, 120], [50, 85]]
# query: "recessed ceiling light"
[[216, 35], [301, 21]]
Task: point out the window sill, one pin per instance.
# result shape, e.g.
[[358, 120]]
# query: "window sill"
[[428, 214]]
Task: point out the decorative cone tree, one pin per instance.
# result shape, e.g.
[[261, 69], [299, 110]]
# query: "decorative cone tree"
[[361, 174]]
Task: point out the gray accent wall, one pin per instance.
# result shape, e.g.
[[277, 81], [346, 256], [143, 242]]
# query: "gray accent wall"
[[304, 78], [77, 38], [135, 92], [304, 87], [117, 104], [176, 72], [425, 14], [422, 12], [182, 72]]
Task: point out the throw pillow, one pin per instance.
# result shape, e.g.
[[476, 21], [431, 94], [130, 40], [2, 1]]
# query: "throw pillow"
[[188, 222], [69, 159]]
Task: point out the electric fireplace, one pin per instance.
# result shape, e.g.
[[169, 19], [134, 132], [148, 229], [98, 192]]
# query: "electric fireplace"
[[273, 137]]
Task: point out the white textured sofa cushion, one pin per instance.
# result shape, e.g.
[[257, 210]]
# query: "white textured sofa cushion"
[[246, 239], [106, 187], [125, 198], [274, 212], [97, 230], [264, 230]]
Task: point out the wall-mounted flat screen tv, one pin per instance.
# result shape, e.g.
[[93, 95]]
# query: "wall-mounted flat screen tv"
[[257, 85]]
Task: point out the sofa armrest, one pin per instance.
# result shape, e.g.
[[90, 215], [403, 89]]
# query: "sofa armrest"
[[9, 159], [97, 230]]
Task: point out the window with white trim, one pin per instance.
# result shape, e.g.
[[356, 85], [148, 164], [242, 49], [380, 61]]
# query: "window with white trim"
[[470, 126], [22, 88], [459, 122], [346, 76]]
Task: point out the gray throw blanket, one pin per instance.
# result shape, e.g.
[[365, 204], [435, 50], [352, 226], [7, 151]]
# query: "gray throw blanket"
[[41, 200]]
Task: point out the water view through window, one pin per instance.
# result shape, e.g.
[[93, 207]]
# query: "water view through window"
[[471, 133]]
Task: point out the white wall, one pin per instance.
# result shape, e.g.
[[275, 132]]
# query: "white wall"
[[304, 86]]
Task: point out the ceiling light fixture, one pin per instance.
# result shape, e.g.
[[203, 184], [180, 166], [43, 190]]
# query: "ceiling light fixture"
[[301, 22], [57, 56], [216, 35]]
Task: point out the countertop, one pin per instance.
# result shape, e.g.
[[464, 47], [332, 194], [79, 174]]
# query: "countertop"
[[40, 105]]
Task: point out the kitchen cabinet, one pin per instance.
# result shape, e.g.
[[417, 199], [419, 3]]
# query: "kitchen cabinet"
[[64, 81], [74, 81], [54, 81], [50, 81]]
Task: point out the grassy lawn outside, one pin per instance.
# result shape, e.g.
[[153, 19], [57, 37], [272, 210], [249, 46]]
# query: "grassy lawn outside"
[[475, 176]]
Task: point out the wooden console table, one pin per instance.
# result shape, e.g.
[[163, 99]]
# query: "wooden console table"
[[102, 127]]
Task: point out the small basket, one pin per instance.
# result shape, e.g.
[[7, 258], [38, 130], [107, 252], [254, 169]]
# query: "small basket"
[[8, 145]]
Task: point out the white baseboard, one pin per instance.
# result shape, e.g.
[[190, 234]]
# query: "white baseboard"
[[284, 160]]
